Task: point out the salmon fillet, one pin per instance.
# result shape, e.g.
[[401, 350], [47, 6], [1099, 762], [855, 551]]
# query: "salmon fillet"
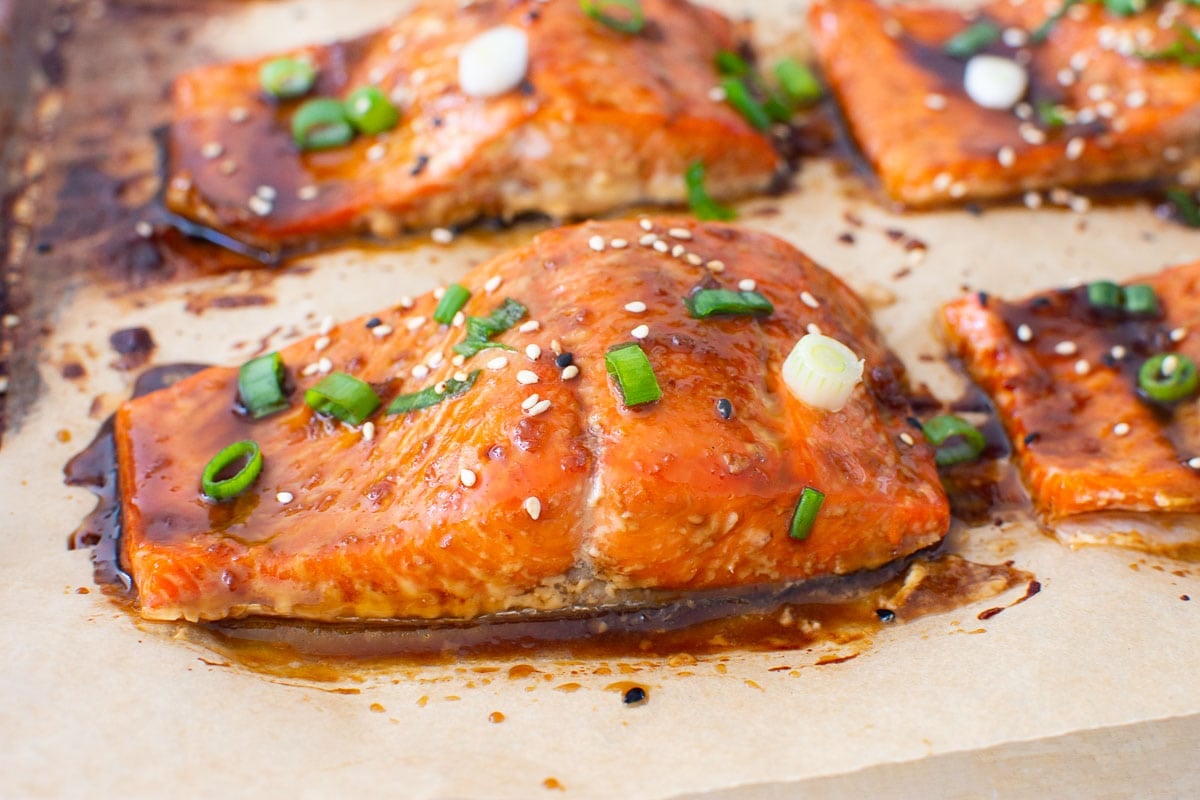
[[603, 119], [1118, 117], [1101, 463], [632, 502]]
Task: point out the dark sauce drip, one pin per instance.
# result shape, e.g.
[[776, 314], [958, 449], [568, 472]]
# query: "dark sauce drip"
[[1033, 588]]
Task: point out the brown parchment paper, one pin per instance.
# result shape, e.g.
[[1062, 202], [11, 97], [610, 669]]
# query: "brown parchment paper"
[[1089, 689]]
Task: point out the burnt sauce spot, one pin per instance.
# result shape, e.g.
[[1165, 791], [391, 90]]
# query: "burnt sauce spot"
[[133, 345]]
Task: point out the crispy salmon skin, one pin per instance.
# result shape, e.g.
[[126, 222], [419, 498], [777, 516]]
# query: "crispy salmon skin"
[[1098, 108], [537, 487], [1092, 448], [603, 119]]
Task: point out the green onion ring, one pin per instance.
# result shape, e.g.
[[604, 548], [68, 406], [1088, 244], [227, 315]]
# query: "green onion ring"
[[806, 513], [321, 124], [343, 396], [1179, 385], [240, 481], [260, 385], [631, 22], [702, 205], [287, 78], [370, 111], [956, 439]]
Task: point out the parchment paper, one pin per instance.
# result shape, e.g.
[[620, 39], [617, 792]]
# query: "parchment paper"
[[1089, 689]]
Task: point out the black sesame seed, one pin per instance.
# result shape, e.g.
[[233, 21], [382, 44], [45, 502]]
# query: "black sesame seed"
[[1030, 438], [1185, 598], [525, 87], [374, 322], [983, 299], [913, 422], [634, 696], [44, 247], [436, 122], [1039, 302], [419, 167], [564, 360], [725, 408], [885, 614]]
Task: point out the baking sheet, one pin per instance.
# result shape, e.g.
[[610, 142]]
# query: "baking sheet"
[[1092, 681]]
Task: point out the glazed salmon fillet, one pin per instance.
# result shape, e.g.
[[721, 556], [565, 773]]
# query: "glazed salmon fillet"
[[537, 487], [1097, 110], [1103, 461], [602, 119]]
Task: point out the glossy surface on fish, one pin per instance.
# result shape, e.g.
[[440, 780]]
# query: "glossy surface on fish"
[[659, 498], [603, 119], [1118, 117]]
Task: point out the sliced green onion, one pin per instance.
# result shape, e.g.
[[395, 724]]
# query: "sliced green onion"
[[629, 19], [260, 385], [1105, 296], [822, 372], [806, 513], [245, 453], [370, 111], [430, 396], [631, 371], [798, 82], [1125, 8], [287, 78], [1042, 32], [731, 64], [1185, 50], [702, 205], [321, 124], [1184, 204], [711, 302], [1168, 377], [343, 396], [956, 440], [970, 41], [738, 95], [1141, 300], [1051, 115], [480, 330], [452, 301]]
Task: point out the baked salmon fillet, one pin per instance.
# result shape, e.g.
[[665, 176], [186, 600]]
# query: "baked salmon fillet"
[[1099, 401], [536, 486], [1106, 99], [601, 119]]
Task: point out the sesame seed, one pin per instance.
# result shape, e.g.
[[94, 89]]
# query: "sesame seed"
[[1178, 334], [284, 497], [458, 360], [238, 114], [647, 240], [1031, 134], [406, 302], [414, 323], [907, 438], [596, 243], [1033, 200], [1006, 156], [533, 352], [808, 300], [570, 372], [618, 244], [1066, 348], [645, 224], [380, 331], [556, 346], [533, 507], [942, 181], [1066, 77], [541, 407], [661, 246], [640, 332], [716, 266], [459, 320], [678, 250], [813, 327], [144, 229], [636, 307], [1194, 462], [307, 192], [321, 343], [1097, 92], [747, 285], [376, 152], [1136, 99], [212, 150], [259, 206], [439, 293], [1121, 429], [420, 371], [461, 376], [326, 325], [493, 283], [435, 359], [717, 94], [1080, 204], [467, 478], [1082, 367], [680, 233], [1117, 352], [1169, 365], [530, 326], [935, 102], [1014, 37], [442, 235], [694, 259], [530, 402], [439, 387], [266, 192], [1024, 333], [228, 167], [1074, 148], [324, 366], [368, 431], [497, 363], [309, 369], [527, 377]]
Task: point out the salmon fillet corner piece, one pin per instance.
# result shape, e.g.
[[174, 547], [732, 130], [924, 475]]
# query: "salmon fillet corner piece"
[[1096, 111], [537, 488], [603, 119], [1102, 464]]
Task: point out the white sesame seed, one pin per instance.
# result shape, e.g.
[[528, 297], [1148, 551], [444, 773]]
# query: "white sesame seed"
[[414, 323], [715, 266], [636, 307], [467, 478], [533, 352], [570, 372], [645, 224], [661, 246], [541, 407], [618, 244], [808, 300], [493, 283], [284, 497], [1060, 196], [1014, 37], [406, 302], [1079, 61], [144, 229], [942, 181], [321, 343], [747, 285], [530, 326], [1178, 334], [309, 369], [324, 365], [259, 206], [1033, 200], [1169, 365], [1024, 333], [647, 239], [935, 101], [907, 438], [266, 192], [680, 233], [533, 507], [527, 377], [1074, 148], [1085, 116], [439, 387], [717, 94], [640, 332], [420, 371], [497, 363], [1082, 367], [376, 152], [309, 192], [596, 243], [1136, 98], [813, 327], [1173, 154], [368, 431], [326, 325], [1194, 462], [1121, 429], [530, 402], [1117, 352], [694, 259], [435, 359], [1080, 204], [380, 331], [461, 376], [678, 250], [442, 235], [958, 189], [458, 360], [1031, 133], [1066, 77], [556, 346], [1066, 348], [1006, 156], [439, 292], [212, 150], [458, 320]]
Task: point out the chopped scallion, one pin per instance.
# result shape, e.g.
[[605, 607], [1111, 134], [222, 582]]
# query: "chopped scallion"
[[702, 205], [1051, 115], [1105, 296], [1183, 203], [629, 18], [822, 372], [1185, 50], [968, 42], [244, 453], [1042, 32], [731, 64], [806, 513], [370, 111], [287, 78], [738, 95], [1141, 300], [321, 124], [711, 302], [430, 396], [343, 396], [798, 82], [1168, 377], [260, 385], [630, 370], [452, 301], [480, 330], [956, 440]]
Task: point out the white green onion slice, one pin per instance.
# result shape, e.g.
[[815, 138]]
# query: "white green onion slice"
[[370, 111], [630, 370], [260, 385], [806, 513], [287, 78], [822, 372], [343, 396], [232, 471], [702, 205], [629, 17], [321, 124], [713, 302], [480, 330], [430, 396], [452, 301], [956, 439]]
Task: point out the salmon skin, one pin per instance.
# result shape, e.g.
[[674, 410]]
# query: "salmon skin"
[[537, 487], [603, 119], [1097, 110], [1090, 446]]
